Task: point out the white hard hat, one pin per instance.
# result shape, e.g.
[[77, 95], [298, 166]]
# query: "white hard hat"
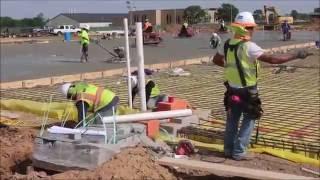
[[65, 88], [244, 19], [86, 26], [214, 34], [134, 81]]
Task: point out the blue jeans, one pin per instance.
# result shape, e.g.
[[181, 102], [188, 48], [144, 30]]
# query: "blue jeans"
[[236, 141]]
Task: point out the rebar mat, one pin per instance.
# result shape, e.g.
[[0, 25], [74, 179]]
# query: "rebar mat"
[[291, 102]]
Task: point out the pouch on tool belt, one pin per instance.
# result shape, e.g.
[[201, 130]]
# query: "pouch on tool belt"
[[253, 107], [235, 99]]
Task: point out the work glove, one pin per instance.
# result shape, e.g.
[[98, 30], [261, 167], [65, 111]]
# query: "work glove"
[[302, 54]]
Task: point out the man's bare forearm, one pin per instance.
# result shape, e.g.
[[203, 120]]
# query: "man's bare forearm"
[[277, 58]]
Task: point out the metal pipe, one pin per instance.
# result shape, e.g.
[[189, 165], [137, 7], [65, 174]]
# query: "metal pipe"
[[126, 35], [148, 116], [140, 57]]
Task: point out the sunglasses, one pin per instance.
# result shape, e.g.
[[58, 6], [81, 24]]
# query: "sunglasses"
[[249, 28]]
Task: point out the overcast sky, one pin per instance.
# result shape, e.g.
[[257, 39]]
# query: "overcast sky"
[[50, 8]]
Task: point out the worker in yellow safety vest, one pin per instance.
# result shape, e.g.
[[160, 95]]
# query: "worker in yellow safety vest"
[[153, 93], [240, 58], [84, 41], [91, 98]]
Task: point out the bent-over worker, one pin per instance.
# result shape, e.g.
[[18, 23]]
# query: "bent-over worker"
[[91, 98], [153, 94]]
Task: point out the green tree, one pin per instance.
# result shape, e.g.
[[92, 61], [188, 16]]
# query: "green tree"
[[294, 14], [7, 22], [39, 20], [194, 14], [258, 15], [227, 12]]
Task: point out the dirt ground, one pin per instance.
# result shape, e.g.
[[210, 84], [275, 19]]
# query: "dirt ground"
[[133, 163]]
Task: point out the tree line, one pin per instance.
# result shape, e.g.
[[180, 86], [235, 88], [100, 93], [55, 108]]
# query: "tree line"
[[228, 12], [37, 21], [259, 16], [192, 14]]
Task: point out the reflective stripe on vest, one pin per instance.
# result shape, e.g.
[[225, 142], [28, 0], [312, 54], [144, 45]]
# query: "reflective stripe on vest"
[[249, 69], [84, 37], [96, 97]]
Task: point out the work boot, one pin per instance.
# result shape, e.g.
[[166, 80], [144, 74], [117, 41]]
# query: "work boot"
[[247, 157]]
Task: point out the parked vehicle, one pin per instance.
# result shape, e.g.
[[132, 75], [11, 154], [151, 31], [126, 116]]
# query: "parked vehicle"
[[65, 28]]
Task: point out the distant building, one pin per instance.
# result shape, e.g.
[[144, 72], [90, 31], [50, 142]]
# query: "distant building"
[[315, 18], [165, 16], [212, 13], [93, 19]]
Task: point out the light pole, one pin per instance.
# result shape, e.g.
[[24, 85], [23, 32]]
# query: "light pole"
[[129, 11], [130, 7], [231, 13]]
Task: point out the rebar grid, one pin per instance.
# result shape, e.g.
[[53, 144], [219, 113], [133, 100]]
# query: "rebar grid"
[[291, 102]]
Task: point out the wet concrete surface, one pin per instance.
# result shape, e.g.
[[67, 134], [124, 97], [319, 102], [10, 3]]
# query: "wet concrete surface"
[[30, 61]]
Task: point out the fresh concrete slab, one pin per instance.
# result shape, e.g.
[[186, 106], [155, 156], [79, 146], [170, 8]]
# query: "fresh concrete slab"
[[31, 61]]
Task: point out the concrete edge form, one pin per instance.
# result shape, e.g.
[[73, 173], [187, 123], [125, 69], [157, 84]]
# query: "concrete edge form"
[[49, 81], [227, 170]]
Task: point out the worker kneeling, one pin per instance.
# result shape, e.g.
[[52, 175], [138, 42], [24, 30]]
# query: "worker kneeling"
[[153, 94], [90, 98]]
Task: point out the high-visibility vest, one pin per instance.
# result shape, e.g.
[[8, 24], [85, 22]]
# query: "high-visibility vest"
[[96, 97], [250, 69], [155, 90], [84, 37]]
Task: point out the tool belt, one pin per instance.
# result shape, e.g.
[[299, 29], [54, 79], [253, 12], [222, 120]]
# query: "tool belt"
[[248, 98]]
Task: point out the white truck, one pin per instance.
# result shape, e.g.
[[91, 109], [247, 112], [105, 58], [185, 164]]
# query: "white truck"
[[65, 28]]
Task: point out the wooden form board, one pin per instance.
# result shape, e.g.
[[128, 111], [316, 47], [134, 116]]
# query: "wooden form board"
[[227, 170]]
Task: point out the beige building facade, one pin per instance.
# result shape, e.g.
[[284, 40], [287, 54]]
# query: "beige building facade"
[[157, 17], [164, 17]]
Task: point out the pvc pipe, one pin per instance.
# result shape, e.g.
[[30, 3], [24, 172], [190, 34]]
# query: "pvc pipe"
[[62, 130], [140, 57], [114, 125], [148, 116], [126, 35]]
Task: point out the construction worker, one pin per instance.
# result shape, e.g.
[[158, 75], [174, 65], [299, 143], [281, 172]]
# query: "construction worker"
[[286, 30], [147, 26], [215, 40], [90, 98], [153, 94], [185, 31], [222, 25], [240, 58], [84, 41]]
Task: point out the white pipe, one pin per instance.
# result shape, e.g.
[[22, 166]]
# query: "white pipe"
[[126, 35], [62, 130], [140, 56], [148, 116]]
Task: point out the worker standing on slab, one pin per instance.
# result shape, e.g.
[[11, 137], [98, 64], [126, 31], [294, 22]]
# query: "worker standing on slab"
[[240, 58], [90, 98], [286, 30], [84, 41], [153, 94]]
